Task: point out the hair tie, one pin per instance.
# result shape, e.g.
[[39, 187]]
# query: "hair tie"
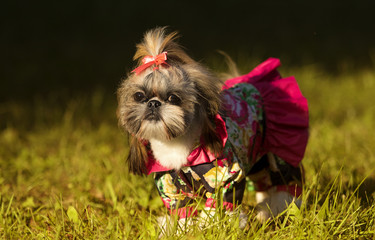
[[148, 61]]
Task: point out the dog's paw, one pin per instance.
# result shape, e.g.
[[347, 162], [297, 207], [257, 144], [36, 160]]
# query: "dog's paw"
[[170, 225], [209, 216], [164, 223], [242, 218], [272, 203]]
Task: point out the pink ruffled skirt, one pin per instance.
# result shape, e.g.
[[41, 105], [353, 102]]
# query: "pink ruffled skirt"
[[285, 108]]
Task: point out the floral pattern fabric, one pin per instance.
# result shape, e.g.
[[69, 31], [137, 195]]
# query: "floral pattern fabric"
[[244, 123]]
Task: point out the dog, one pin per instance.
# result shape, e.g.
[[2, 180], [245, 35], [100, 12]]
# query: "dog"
[[202, 137]]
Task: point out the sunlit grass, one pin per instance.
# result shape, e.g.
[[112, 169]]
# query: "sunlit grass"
[[63, 173]]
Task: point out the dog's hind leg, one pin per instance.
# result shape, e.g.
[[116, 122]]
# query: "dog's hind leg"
[[280, 185], [274, 202]]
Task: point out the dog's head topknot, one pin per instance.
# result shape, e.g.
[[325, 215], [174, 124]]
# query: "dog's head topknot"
[[156, 41]]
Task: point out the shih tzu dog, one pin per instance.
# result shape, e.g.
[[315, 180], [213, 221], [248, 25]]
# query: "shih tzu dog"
[[204, 138]]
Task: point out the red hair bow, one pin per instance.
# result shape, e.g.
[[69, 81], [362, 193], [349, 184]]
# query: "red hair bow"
[[148, 61]]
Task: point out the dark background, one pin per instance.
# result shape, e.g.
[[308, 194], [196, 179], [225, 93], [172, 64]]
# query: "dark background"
[[74, 46]]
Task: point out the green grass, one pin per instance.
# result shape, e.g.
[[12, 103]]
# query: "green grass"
[[63, 173]]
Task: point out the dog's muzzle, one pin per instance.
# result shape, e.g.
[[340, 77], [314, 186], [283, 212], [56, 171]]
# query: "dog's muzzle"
[[153, 113]]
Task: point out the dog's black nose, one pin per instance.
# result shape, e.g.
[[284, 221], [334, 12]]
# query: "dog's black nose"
[[153, 104]]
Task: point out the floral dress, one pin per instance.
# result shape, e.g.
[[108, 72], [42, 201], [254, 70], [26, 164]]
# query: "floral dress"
[[263, 113]]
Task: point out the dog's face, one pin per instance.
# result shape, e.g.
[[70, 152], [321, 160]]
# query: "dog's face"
[[162, 100], [158, 104]]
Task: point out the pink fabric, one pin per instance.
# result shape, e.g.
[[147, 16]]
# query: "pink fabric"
[[286, 111], [211, 203], [198, 156], [185, 212]]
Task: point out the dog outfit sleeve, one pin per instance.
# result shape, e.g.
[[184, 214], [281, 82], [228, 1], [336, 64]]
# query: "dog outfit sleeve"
[[229, 181], [220, 178], [170, 188]]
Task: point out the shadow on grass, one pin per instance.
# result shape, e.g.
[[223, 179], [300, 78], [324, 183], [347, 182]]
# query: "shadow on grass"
[[366, 191]]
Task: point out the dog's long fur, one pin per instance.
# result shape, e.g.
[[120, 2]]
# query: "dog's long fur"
[[201, 97]]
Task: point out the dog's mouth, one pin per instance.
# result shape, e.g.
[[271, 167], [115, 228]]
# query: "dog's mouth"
[[152, 116]]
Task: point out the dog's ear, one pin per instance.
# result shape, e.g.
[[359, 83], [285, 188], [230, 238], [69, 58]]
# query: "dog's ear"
[[209, 101], [210, 137], [138, 157], [208, 87]]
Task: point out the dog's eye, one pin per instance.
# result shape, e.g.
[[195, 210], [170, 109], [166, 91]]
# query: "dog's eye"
[[139, 96], [174, 99]]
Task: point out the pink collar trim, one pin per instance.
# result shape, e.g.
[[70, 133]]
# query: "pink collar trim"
[[198, 156]]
